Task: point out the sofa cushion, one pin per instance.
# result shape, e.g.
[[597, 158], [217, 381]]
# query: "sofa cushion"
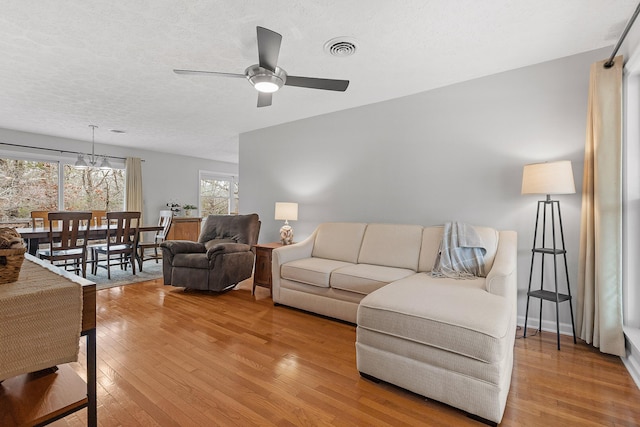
[[312, 271], [339, 241], [432, 236], [454, 315], [391, 245], [366, 278]]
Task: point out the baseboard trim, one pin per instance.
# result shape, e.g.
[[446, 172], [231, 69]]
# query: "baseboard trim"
[[547, 325], [632, 343], [632, 361]]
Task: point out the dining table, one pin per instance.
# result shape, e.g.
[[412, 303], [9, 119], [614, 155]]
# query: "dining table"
[[33, 236]]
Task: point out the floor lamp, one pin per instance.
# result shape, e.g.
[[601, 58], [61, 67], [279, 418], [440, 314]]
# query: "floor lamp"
[[549, 178]]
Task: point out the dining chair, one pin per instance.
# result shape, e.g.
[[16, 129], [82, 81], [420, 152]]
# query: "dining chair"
[[98, 218], [122, 241], [40, 219], [69, 242], [160, 236]]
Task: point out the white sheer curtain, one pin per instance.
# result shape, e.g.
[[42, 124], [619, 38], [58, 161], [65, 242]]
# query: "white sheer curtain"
[[599, 309], [133, 201]]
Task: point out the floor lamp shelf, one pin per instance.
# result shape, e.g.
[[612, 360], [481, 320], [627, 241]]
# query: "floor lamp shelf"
[[549, 296], [556, 250]]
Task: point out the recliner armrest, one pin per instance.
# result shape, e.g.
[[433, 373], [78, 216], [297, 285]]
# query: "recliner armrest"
[[183, 246], [227, 248]]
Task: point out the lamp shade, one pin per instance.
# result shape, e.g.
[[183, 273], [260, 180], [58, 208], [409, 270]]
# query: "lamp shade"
[[548, 178], [286, 211]]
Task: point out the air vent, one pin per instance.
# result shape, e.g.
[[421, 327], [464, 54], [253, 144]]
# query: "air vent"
[[341, 47]]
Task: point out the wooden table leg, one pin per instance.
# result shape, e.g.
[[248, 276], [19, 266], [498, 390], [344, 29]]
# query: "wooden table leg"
[[92, 418], [32, 245]]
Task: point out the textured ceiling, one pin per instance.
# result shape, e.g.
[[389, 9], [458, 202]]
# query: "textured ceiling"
[[67, 64]]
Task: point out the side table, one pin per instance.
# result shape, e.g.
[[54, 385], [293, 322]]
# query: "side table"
[[40, 398], [262, 273]]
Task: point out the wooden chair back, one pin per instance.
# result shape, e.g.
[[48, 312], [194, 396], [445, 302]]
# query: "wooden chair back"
[[70, 246], [74, 231], [98, 218], [122, 241], [160, 236], [40, 217], [122, 228], [165, 223]]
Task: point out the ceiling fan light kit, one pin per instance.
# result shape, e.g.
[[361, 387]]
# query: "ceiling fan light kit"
[[264, 80], [266, 77]]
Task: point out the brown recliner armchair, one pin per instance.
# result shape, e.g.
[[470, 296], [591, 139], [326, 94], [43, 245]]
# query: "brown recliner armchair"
[[220, 258]]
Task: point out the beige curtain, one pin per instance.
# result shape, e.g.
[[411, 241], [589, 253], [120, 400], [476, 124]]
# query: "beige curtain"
[[599, 311], [134, 185]]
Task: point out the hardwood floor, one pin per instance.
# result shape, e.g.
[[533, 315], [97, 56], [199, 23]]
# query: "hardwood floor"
[[173, 358]]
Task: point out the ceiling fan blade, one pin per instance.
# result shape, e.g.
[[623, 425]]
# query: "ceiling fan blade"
[[268, 48], [314, 83], [264, 99], [207, 73]]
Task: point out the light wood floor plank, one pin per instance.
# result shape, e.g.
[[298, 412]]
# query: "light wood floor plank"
[[172, 358]]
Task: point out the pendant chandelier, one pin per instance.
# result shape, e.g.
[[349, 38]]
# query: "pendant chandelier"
[[93, 161]]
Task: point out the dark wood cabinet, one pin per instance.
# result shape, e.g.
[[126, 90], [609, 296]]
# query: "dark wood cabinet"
[[262, 273]]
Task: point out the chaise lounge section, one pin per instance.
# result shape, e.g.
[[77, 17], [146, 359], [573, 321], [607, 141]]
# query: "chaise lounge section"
[[449, 340]]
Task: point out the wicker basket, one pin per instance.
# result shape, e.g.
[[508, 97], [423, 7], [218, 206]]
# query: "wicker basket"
[[10, 264]]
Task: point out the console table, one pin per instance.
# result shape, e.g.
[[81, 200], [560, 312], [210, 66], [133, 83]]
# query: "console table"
[[184, 228], [40, 398]]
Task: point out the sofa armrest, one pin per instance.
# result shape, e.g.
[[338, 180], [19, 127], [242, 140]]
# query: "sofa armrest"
[[502, 279], [227, 248], [183, 246], [285, 254]]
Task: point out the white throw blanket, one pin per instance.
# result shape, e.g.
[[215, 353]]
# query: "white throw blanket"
[[461, 253]]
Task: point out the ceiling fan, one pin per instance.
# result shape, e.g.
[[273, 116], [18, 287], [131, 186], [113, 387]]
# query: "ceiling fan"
[[267, 77]]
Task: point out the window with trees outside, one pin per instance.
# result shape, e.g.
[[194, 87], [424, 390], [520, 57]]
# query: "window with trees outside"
[[93, 189], [218, 194], [32, 185]]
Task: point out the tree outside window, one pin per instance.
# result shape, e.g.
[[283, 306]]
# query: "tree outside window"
[[93, 189], [218, 194], [28, 185]]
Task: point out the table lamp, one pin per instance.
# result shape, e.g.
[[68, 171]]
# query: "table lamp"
[[286, 211]]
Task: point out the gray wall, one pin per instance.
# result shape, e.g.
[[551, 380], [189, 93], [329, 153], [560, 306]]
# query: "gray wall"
[[166, 177], [450, 154]]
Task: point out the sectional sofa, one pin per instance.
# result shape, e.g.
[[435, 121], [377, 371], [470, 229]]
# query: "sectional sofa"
[[447, 339]]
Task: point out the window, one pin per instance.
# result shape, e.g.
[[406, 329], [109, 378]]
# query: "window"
[[25, 186], [93, 189], [218, 194], [28, 185]]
